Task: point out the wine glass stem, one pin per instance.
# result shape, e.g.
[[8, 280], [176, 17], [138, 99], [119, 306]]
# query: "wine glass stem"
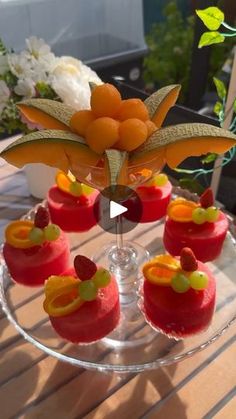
[[119, 232]]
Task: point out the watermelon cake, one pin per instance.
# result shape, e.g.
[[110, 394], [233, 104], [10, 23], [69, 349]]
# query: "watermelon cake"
[[83, 303], [178, 295], [71, 204], [35, 250], [200, 226], [155, 196]]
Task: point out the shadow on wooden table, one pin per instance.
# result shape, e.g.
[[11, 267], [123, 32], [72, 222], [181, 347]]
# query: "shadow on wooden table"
[[16, 391]]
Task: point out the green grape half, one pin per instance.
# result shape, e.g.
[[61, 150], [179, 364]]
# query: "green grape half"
[[212, 214], [198, 280], [36, 235], [199, 216], [88, 290], [102, 278], [180, 283], [52, 232]]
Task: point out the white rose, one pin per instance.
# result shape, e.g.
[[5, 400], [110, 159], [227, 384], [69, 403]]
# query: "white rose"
[[67, 66], [25, 88], [3, 64], [70, 80], [72, 91], [89, 75]]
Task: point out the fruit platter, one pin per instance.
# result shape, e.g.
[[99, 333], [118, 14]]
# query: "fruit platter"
[[156, 296]]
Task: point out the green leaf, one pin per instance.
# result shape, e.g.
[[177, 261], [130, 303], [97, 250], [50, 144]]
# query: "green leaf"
[[218, 108], [220, 87], [209, 38], [209, 158], [234, 105], [192, 185], [212, 17]]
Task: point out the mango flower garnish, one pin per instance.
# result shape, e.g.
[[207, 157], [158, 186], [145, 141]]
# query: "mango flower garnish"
[[122, 138]]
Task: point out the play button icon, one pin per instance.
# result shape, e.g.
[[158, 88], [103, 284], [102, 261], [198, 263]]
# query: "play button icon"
[[118, 201], [116, 209]]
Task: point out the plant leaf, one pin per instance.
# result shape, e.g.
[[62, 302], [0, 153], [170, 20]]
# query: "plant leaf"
[[218, 108], [209, 38], [220, 87], [212, 17], [234, 105], [209, 158], [192, 185]]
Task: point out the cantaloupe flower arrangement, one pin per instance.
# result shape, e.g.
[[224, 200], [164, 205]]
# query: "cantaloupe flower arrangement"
[[122, 138]]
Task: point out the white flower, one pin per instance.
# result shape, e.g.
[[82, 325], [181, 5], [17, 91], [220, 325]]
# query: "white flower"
[[25, 88], [67, 66], [19, 65], [3, 64], [37, 47], [89, 75], [72, 91], [70, 80], [4, 95]]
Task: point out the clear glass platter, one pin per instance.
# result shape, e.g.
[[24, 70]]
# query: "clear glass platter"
[[143, 348]]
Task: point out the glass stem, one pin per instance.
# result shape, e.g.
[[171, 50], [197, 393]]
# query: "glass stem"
[[119, 232]]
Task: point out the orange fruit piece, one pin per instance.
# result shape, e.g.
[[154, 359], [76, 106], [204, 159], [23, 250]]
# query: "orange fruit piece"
[[132, 108], [132, 133], [181, 210], [105, 100], [17, 234], [151, 127], [161, 269], [62, 296], [102, 133], [80, 121]]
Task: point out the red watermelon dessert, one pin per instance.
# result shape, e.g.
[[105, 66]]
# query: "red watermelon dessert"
[[178, 295], [155, 196], [83, 304], [71, 204], [200, 226], [35, 250]]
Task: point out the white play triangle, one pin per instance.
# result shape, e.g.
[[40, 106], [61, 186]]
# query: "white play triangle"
[[116, 209]]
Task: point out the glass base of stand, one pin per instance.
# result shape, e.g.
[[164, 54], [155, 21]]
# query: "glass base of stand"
[[126, 263]]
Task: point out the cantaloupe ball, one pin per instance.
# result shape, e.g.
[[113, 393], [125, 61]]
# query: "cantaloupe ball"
[[132, 108], [105, 100], [133, 133], [80, 121], [102, 133], [151, 127]]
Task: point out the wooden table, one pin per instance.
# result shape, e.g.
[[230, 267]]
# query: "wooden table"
[[35, 385]]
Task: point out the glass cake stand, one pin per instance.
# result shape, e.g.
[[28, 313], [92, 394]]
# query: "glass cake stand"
[[23, 307]]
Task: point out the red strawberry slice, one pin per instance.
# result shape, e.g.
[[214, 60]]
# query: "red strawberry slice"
[[207, 198], [188, 260], [84, 267], [41, 218]]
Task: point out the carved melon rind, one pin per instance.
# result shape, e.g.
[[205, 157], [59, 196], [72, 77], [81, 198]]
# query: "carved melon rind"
[[115, 161], [155, 100], [57, 110], [182, 132], [45, 135]]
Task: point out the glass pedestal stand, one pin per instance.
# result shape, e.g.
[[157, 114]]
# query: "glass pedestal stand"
[[133, 346], [124, 260]]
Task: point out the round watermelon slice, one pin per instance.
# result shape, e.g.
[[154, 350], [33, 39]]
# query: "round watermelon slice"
[[34, 265], [154, 201], [179, 315], [69, 213], [94, 319], [205, 240]]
